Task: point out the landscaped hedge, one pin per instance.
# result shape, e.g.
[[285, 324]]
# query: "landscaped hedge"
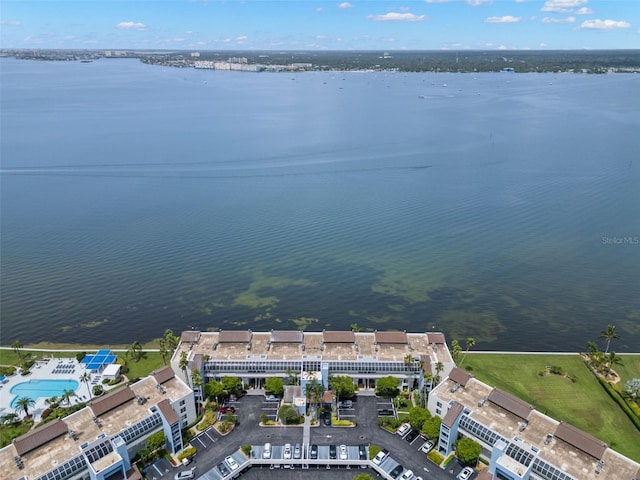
[[187, 452], [435, 457], [625, 407]]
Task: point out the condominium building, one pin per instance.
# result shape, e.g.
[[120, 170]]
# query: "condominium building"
[[99, 441], [521, 442], [363, 356]]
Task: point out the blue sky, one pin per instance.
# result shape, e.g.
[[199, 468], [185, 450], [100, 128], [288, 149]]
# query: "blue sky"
[[320, 24]]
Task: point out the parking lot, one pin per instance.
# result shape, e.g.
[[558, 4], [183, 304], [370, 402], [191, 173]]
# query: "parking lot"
[[213, 448]]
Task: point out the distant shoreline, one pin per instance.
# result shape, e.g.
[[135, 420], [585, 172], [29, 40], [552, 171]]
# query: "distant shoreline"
[[436, 61]]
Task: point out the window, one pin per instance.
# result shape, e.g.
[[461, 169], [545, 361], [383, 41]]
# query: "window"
[[439, 404], [438, 411]]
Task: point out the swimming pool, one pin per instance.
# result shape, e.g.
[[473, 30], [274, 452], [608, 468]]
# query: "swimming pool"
[[35, 389]]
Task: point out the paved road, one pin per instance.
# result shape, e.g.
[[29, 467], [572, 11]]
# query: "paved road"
[[212, 448]]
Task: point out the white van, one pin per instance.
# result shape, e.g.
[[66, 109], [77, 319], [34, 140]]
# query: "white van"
[[266, 453]]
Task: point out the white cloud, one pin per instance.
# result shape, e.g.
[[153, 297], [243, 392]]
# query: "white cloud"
[[562, 6], [131, 25], [543, 45], [242, 39], [319, 9], [437, 1], [504, 19], [189, 32], [13, 23], [502, 47], [397, 17], [598, 24], [584, 11], [558, 20], [345, 5], [479, 3]]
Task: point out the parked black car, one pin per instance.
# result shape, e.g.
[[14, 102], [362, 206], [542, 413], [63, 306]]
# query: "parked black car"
[[385, 412], [313, 452], [395, 473], [326, 418], [222, 468], [362, 452], [412, 435], [333, 452]]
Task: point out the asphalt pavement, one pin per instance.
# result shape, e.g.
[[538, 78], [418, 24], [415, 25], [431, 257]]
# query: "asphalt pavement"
[[213, 447]]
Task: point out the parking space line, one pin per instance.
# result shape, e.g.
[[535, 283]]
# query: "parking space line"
[[210, 438], [198, 438]]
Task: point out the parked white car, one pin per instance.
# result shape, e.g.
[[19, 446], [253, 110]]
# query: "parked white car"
[[185, 474], [286, 454], [343, 452], [380, 456], [233, 465], [465, 474], [266, 452], [403, 429]]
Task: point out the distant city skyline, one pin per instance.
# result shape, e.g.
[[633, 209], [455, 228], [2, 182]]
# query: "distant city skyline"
[[321, 25]]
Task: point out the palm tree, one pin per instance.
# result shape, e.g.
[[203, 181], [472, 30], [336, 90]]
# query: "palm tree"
[[135, 351], [470, 343], [23, 403], [66, 396], [612, 359], [439, 368], [171, 339], [455, 350], [164, 351], [53, 402], [184, 363], [609, 334], [17, 345], [86, 377]]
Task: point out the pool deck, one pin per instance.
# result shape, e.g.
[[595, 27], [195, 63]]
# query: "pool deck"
[[52, 369]]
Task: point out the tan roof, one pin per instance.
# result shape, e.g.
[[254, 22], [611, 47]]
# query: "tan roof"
[[167, 412], [581, 440], [426, 365], [198, 360], [452, 414], [39, 436], [286, 336], [163, 374], [459, 376], [391, 337], [111, 400], [510, 403], [436, 337], [327, 397], [189, 336], [338, 337], [234, 336]]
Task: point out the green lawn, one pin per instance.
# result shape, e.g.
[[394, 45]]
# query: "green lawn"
[[582, 403], [630, 369], [148, 363]]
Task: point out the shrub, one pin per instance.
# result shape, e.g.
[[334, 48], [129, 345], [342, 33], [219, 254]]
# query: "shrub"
[[97, 390], [45, 413], [263, 418], [187, 452], [435, 457], [246, 449], [225, 426], [80, 356], [289, 415]]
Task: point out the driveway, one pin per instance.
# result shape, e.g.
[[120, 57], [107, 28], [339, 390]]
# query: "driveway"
[[213, 448]]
